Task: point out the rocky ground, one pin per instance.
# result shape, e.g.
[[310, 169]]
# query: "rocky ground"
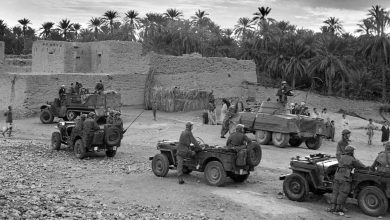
[[43, 184]]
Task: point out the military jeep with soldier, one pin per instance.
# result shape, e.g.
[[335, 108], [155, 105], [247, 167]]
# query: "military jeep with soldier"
[[86, 136], [315, 173]]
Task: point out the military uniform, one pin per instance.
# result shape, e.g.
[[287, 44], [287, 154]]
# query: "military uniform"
[[341, 147], [382, 161], [78, 128], [184, 150], [343, 179], [282, 93], [226, 121], [237, 140], [89, 127]]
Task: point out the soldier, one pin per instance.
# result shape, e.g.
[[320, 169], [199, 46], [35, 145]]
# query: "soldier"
[[343, 179], [78, 128], [72, 89], [118, 122], [8, 121], [211, 113], [283, 92], [382, 161], [345, 135], [154, 108], [238, 140], [184, 149], [99, 88], [226, 121], [110, 117], [89, 127], [62, 92]]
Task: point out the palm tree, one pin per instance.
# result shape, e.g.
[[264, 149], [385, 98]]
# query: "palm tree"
[[261, 14], [380, 17], [65, 26], [111, 15], [3, 27], [242, 26], [200, 17], [173, 13], [366, 27], [46, 29], [133, 19], [76, 27], [95, 24], [24, 22], [297, 64], [334, 25]]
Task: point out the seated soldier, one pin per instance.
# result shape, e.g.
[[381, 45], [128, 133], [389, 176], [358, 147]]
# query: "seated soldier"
[[62, 91], [89, 128], [110, 117], [238, 140], [382, 161], [118, 122], [78, 128]]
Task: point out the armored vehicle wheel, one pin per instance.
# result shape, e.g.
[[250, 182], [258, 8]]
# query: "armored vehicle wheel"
[[186, 170], [280, 139], [55, 141], [71, 115], [314, 143], [263, 137], [46, 116], [110, 153], [239, 178], [296, 187], [79, 149], [254, 154], [373, 201], [295, 141], [160, 165], [215, 174]]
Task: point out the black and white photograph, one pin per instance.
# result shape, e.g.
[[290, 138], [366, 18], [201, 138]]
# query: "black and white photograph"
[[194, 110]]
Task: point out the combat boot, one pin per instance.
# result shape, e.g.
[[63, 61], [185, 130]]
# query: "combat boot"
[[332, 208], [181, 181]]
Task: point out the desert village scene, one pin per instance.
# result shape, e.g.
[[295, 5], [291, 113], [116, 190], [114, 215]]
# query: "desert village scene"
[[260, 133]]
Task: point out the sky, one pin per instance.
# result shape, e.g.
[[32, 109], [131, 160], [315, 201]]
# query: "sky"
[[307, 14]]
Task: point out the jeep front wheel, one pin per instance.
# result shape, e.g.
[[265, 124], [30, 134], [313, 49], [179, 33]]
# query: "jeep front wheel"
[[160, 165], [296, 187], [79, 149], [373, 201], [110, 153], [55, 140], [215, 174], [46, 116]]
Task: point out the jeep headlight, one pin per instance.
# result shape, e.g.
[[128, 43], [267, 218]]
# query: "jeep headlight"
[[61, 123]]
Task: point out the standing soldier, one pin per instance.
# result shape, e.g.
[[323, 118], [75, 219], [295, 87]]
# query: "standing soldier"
[[99, 88], [211, 113], [184, 149], [283, 92], [342, 180], [344, 142], [226, 121], [8, 121], [89, 127], [154, 108], [62, 92], [78, 128]]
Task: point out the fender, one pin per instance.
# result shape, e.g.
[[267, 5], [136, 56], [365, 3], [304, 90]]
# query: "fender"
[[47, 106]]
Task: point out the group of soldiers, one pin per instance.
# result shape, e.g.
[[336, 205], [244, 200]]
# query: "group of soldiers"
[[77, 88], [87, 125], [342, 184]]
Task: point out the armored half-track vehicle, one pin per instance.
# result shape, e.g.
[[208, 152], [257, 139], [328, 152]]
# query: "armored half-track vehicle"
[[217, 163], [71, 105], [272, 124], [315, 173]]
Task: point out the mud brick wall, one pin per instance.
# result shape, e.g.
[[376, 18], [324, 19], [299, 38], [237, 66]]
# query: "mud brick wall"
[[48, 56], [222, 75], [26, 92]]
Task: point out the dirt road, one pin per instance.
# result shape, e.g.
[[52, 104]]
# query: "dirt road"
[[125, 187]]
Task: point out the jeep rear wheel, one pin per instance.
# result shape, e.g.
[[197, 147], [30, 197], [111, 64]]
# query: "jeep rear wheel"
[[55, 140], [314, 143], [215, 174], [160, 165], [263, 137], [46, 116], [110, 153], [373, 201], [79, 149], [280, 140], [239, 178], [296, 187]]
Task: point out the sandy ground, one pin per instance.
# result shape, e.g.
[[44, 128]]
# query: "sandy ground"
[[128, 179]]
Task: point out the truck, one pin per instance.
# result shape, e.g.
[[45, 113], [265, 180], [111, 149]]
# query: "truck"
[[273, 124], [69, 106]]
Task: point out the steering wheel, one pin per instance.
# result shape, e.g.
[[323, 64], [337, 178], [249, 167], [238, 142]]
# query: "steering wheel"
[[200, 141]]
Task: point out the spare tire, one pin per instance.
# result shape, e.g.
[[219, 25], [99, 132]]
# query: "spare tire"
[[113, 136], [253, 154]]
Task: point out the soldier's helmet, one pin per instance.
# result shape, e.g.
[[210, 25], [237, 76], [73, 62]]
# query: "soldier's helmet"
[[349, 149], [91, 114], [83, 116], [240, 127], [63, 86], [189, 124], [387, 146], [284, 82], [345, 131]]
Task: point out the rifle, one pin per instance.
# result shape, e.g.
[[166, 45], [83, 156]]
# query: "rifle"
[[124, 131]]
